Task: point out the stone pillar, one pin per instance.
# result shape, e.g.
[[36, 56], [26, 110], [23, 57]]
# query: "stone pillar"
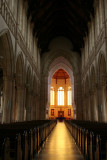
[[28, 105], [78, 102], [84, 108], [38, 109], [95, 103], [44, 96], [20, 103], [73, 102], [13, 101], [7, 95], [89, 108], [33, 110], [78, 95], [101, 95], [99, 103], [103, 102]]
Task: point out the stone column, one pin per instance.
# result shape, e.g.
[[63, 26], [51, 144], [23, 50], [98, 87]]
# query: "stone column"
[[89, 108], [20, 103], [73, 102], [44, 96], [78, 96], [99, 103], [103, 102], [78, 102], [95, 106], [7, 96], [28, 105], [13, 101], [92, 106], [38, 109], [84, 108], [101, 96], [33, 110]]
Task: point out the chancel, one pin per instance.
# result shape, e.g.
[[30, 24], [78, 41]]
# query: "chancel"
[[53, 79], [61, 96]]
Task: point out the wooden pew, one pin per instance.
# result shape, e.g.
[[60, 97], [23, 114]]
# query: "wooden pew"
[[86, 135], [23, 139]]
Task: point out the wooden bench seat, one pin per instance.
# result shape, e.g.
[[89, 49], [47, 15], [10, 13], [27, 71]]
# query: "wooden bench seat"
[[91, 137], [21, 140]]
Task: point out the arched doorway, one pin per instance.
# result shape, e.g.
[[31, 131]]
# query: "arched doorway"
[[60, 96]]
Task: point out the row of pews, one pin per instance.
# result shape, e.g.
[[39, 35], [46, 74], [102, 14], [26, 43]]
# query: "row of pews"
[[91, 138], [22, 140]]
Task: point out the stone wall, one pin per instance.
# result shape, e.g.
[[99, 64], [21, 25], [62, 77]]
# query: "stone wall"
[[20, 63]]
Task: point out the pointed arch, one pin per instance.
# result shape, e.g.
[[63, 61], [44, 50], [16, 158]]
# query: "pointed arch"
[[6, 71], [6, 53]]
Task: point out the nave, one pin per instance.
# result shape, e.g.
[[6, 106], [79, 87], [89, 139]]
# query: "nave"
[[53, 64], [59, 145]]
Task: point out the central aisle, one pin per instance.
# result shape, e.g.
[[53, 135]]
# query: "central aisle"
[[60, 146]]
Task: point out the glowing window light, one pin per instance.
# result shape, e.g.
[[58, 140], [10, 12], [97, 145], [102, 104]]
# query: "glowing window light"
[[60, 96], [69, 96], [52, 96]]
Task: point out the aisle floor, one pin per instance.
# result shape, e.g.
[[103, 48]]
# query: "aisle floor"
[[60, 146]]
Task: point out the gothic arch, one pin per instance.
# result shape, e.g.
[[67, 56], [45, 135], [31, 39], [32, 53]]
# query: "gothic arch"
[[60, 46], [53, 55], [61, 63], [6, 69], [6, 52], [58, 63]]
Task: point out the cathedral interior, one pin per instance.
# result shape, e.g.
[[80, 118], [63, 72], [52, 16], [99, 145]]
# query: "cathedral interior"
[[53, 79]]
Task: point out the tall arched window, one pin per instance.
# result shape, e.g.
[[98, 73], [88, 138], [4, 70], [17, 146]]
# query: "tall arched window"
[[60, 96], [69, 96], [52, 96]]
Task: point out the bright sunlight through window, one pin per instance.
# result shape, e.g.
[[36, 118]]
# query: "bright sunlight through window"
[[60, 96], [69, 96]]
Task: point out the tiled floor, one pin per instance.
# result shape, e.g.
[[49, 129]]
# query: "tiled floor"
[[59, 146]]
